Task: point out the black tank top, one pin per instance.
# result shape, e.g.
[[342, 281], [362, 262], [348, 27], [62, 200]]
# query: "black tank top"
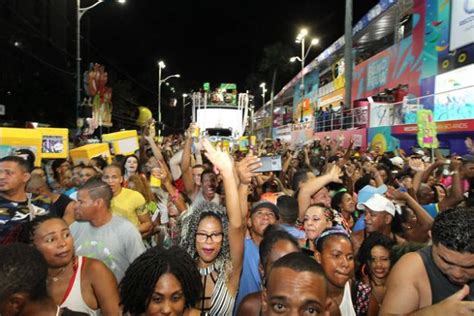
[[441, 287], [58, 208]]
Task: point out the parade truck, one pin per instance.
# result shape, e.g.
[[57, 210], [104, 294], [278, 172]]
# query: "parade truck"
[[223, 112]]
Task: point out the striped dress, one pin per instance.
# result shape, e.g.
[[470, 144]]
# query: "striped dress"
[[222, 302]]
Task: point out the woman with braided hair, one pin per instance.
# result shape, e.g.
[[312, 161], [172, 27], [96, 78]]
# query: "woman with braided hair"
[[214, 237], [161, 282]]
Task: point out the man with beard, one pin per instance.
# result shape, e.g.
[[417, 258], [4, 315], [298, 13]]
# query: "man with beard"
[[438, 279]]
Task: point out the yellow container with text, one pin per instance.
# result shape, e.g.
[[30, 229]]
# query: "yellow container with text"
[[122, 143], [85, 153], [55, 143], [13, 139]]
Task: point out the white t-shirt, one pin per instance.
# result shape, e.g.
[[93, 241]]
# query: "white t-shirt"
[[116, 243], [346, 307]]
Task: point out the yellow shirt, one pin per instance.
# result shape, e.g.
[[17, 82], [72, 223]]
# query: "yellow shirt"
[[129, 204]]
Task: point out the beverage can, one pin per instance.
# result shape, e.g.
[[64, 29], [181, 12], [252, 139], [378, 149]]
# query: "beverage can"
[[253, 141], [196, 132]]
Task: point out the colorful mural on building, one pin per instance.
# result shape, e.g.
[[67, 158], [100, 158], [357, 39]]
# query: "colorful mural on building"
[[306, 104]]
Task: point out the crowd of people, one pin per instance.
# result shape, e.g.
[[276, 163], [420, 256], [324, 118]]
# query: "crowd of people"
[[188, 227]]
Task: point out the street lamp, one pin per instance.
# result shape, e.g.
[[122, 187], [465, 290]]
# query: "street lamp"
[[264, 90], [184, 115], [301, 39], [80, 12], [161, 65]]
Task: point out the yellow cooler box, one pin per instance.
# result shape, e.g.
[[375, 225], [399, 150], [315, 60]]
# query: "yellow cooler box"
[[12, 139], [55, 142], [84, 153], [122, 143]]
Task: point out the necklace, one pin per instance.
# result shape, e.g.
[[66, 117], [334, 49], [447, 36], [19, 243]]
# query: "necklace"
[[58, 276]]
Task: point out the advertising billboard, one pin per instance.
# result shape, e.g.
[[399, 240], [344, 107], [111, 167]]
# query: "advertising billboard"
[[462, 24]]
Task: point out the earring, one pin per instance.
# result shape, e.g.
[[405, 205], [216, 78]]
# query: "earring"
[[364, 270]]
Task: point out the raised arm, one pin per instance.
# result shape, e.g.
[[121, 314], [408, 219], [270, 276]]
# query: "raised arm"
[[416, 165], [223, 162], [314, 185], [455, 196], [245, 170], [424, 221], [186, 163], [175, 197], [154, 148]]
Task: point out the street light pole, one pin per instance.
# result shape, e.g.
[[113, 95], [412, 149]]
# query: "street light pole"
[[301, 39], [302, 67], [348, 60], [161, 65], [184, 115], [264, 90], [79, 13]]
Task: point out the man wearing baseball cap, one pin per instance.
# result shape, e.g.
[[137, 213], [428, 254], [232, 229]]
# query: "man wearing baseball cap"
[[363, 196], [262, 214], [379, 213]]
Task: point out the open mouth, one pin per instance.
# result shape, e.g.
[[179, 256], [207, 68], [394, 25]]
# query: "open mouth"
[[208, 251], [379, 271]]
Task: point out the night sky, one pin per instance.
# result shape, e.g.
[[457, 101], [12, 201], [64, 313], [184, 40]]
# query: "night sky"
[[214, 41]]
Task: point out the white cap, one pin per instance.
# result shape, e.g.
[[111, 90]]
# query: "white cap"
[[379, 203], [397, 162]]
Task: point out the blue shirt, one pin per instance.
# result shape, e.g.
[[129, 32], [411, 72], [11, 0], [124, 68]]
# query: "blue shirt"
[[360, 224], [250, 279], [293, 231], [432, 209]]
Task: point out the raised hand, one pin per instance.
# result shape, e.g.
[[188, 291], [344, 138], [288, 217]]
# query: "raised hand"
[[162, 173], [220, 159], [334, 173], [246, 168], [455, 165], [416, 164], [349, 170], [190, 131], [469, 144], [395, 194]]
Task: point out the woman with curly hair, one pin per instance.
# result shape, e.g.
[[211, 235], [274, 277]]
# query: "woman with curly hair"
[[374, 266], [214, 237], [161, 282]]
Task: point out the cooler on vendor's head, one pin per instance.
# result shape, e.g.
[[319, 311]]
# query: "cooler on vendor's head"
[[55, 143], [85, 153], [122, 143], [13, 139]]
